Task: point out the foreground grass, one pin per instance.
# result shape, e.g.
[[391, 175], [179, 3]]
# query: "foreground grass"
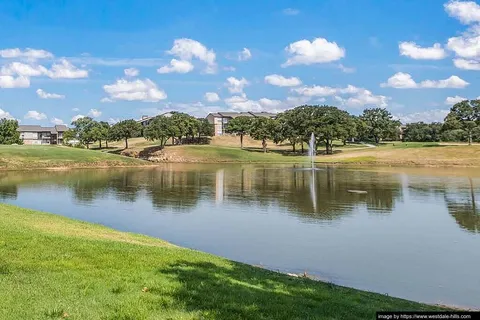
[[25, 157], [53, 267]]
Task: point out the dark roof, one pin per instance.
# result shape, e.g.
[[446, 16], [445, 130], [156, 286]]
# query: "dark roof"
[[35, 128], [264, 114], [243, 114]]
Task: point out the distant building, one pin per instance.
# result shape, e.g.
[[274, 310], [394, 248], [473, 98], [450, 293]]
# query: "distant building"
[[41, 135], [145, 120], [221, 119]]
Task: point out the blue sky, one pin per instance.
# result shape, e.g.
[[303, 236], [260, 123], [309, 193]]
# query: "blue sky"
[[123, 59]]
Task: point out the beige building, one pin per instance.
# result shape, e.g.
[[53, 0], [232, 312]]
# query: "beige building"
[[221, 119], [37, 135]]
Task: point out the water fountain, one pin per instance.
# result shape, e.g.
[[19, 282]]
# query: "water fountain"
[[311, 150]]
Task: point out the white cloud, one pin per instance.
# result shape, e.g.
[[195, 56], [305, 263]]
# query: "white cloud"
[[179, 66], [187, 49], [8, 82], [78, 116], [245, 54], [106, 100], [35, 115], [281, 81], [45, 95], [211, 97], [22, 69], [242, 103], [65, 70], [402, 80], [75, 109], [467, 64], [131, 72], [136, 90], [5, 115], [414, 51], [94, 113], [57, 121], [235, 85], [452, 100], [290, 11], [27, 53], [466, 11], [346, 69], [357, 97], [436, 115], [112, 121], [320, 50]]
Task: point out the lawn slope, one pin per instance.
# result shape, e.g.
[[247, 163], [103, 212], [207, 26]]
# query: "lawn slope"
[[52, 267], [32, 157]]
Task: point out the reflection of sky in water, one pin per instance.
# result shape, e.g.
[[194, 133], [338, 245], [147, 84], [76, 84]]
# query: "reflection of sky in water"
[[406, 237]]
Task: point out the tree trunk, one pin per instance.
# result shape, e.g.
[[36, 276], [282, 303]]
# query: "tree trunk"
[[173, 141], [303, 151], [126, 143], [88, 146], [377, 139], [106, 144], [241, 141], [327, 146], [264, 145], [293, 146], [470, 138], [100, 143]]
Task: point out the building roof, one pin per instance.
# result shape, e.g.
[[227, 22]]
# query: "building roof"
[[147, 118], [36, 128], [242, 114]]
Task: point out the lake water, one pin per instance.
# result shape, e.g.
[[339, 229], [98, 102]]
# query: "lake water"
[[415, 234]]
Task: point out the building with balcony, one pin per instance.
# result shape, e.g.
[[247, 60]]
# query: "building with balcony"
[[38, 135], [221, 119]]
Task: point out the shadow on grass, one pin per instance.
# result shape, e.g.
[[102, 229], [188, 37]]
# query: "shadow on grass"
[[243, 292]]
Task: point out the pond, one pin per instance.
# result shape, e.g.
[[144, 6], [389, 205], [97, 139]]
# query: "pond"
[[415, 234]]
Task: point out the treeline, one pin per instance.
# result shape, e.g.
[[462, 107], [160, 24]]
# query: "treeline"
[[178, 126]]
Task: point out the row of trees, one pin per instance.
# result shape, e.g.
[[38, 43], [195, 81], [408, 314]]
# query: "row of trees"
[[327, 123], [177, 126]]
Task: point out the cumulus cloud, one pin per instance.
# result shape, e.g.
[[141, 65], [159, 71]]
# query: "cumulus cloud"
[[346, 69], [188, 49], [78, 116], [466, 11], [9, 82], [131, 72], [178, 66], [75, 109], [320, 50], [62, 69], [5, 115], [112, 121], [94, 113], [45, 95], [281, 81], [414, 51], [28, 53], [245, 54], [402, 80], [211, 97], [35, 115], [136, 90], [230, 68], [22, 69], [436, 115], [65, 70], [452, 100], [290, 12], [242, 104], [235, 85], [56, 121], [467, 64], [356, 97]]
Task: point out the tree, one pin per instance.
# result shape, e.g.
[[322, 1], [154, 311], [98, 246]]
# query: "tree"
[[84, 128], [422, 132], [262, 129], [241, 126], [183, 125], [8, 132], [205, 128], [69, 135], [464, 115], [125, 130], [289, 128], [379, 123], [102, 133], [160, 128], [330, 123]]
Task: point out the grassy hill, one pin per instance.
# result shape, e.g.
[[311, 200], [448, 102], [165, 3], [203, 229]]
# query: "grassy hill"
[[29, 157], [52, 267]]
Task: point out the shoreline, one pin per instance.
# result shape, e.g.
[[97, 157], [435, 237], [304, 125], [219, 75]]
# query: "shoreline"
[[96, 243]]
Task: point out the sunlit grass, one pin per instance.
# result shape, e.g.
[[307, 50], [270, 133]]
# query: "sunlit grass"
[[52, 267]]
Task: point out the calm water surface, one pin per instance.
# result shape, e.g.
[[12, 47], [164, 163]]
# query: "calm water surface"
[[416, 234]]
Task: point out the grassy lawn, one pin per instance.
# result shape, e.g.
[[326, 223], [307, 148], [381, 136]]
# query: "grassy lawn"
[[25, 157], [52, 267]]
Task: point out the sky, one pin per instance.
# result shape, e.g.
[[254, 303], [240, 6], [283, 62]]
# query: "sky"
[[112, 60]]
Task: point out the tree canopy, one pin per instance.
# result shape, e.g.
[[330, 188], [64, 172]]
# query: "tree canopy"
[[125, 130], [240, 126], [8, 132], [464, 115]]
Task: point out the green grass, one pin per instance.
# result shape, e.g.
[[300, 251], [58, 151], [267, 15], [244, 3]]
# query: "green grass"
[[52, 267], [25, 157]]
